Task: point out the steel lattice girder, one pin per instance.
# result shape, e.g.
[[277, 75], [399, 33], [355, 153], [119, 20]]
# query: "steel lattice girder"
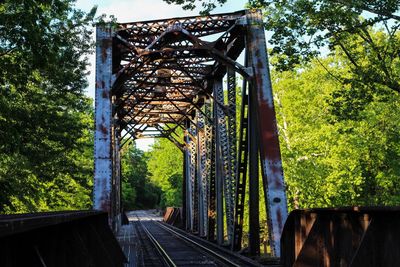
[[155, 74]]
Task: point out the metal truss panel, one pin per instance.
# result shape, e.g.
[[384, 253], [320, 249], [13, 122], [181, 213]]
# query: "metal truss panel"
[[223, 145], [198, 26], [231, 117]]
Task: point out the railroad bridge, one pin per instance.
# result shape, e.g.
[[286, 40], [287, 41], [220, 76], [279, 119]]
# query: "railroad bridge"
[[164, 77], [157, 77]]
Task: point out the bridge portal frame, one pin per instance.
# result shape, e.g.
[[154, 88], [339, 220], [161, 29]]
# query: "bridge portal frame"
[[155, 74]]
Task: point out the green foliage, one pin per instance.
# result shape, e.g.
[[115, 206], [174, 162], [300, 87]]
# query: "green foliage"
[[165, 166], [45, 118], [138, 192], [303, 29], [332, 160]]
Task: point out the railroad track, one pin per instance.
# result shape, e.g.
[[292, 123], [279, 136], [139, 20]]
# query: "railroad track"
[[151, 253], [164, 245]]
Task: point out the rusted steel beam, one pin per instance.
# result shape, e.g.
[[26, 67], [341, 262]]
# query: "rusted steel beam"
[[196, 25], [271, 163], [354, 236], [103, 155], [132, 126], [168, 135]]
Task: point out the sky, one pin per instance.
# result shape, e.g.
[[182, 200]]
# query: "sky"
[[139, 10]]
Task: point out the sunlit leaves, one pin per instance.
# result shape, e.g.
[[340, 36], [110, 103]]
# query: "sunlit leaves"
[[45, 117], [165, 166], [333, 159]]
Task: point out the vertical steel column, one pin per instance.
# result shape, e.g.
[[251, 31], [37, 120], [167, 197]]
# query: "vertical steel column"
[[223, 145], [184, 184], [231, 88], [202, 174], [193, 178], [188, 197], [208, 164], [271, 163], [241, 171], [116, 189], [219, 168], [103, 155], [212, 181], [254, 199]]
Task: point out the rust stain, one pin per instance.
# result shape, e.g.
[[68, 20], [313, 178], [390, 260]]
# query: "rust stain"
[[277, 178], [103, 129], [260, 64], [105, 94], [105, 45], [98, 84], [269, 132], [105, 203], [279, 219]]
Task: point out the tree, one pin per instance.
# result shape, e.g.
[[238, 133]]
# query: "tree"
[[303, 29], [45, 118], [165, 166], [330, 160], [385, 8], [138, 192]]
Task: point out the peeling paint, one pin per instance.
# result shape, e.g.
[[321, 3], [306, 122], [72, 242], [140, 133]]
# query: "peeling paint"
[[103, 159]]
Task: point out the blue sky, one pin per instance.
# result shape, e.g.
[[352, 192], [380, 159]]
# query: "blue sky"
[[139, 10]]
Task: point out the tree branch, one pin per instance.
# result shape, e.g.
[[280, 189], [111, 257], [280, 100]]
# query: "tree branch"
[[6, 52], [366, 8]]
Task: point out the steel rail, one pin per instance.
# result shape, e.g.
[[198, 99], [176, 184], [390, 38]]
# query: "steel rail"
[[164, 255], [196, 244]]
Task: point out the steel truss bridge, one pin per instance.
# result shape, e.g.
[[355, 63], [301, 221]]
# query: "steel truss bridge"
[[163, 78], [156, 78]]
